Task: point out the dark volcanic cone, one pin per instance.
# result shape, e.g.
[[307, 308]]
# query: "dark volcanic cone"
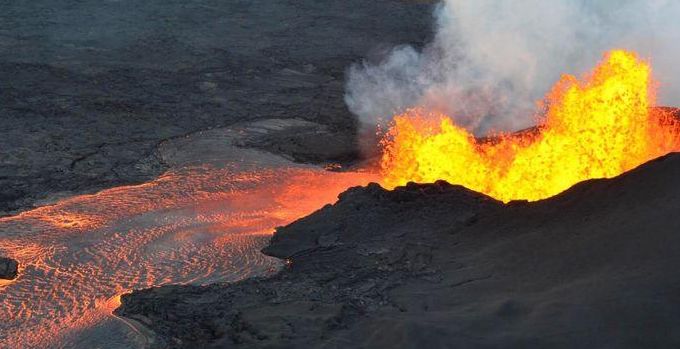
[[439, 266]]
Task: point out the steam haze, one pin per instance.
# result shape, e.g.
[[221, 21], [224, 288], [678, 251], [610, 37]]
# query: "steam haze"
[[491, 61]]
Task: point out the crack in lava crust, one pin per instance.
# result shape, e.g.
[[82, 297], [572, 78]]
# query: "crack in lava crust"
[[198, 224]]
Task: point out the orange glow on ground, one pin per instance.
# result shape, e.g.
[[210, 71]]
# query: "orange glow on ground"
[[197, 225], [598, 127]]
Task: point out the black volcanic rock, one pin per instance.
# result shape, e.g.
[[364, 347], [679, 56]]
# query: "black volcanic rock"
[[9, 268], [86, 109], [439, 266]]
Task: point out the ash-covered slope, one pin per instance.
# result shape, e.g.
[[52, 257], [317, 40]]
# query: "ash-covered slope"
[[438, 266]]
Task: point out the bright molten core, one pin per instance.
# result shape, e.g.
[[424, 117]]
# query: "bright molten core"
[[595, 128]]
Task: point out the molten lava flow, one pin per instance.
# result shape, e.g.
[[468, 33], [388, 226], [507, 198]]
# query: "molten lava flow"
[[193, 225], [595, 128]]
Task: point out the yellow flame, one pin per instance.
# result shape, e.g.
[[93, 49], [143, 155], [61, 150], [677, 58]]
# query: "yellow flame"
[[595, 128]]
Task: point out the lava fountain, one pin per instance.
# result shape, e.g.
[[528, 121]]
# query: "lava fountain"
[[596, 127]]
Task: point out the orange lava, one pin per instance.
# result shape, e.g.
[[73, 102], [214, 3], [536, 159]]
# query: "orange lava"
[[196, 225], [597, 127]]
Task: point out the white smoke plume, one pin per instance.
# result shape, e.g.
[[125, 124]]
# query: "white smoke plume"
[[492, 60]]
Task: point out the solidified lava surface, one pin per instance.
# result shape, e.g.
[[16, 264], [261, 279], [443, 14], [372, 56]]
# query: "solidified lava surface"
[[89, 90]]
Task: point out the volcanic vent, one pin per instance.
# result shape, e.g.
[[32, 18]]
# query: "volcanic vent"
[[596, 127]]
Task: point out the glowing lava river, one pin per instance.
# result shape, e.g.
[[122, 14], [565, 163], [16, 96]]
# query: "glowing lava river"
[[203, 221]]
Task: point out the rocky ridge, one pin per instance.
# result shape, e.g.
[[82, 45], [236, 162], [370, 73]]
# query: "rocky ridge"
[[439, 266]]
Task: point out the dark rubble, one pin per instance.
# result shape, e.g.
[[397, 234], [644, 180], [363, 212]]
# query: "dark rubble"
[[439, 266], [9, 268]]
